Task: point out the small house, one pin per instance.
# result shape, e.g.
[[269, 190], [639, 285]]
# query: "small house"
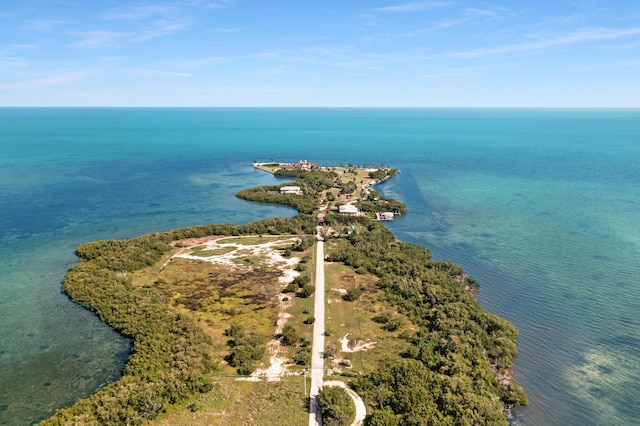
[[384, 216], [295, 190], [348, 210]]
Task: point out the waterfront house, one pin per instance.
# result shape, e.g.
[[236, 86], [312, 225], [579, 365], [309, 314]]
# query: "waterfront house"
[[300, 165], [385, 216], [348, 210], [295, 190]]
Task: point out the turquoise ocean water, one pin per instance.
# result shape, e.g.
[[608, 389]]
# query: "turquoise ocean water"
[[541, 206]]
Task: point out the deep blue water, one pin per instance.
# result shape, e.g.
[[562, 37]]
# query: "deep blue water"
[[541, 206]]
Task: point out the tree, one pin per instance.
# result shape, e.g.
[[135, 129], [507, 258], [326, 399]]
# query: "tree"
[[290, 336], [336, 406]]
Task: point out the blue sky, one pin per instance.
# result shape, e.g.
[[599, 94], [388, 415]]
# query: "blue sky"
[[560, 53]]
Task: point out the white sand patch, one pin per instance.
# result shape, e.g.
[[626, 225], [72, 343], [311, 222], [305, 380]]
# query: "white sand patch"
[[340, 291], [273, 372], [288, 275], [356, 345], [269, 252], [248, 379]]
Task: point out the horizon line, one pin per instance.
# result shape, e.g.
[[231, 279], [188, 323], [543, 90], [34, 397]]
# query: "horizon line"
[[310, 107]]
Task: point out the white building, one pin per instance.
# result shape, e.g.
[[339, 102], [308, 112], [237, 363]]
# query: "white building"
[[295, 190], [348, 210], [385, 216]]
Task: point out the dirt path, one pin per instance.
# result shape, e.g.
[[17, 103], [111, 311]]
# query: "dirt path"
[[361, 409], [269, 251], [317, 349]]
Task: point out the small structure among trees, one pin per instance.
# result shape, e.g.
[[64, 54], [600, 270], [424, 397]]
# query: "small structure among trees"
[[300, 165], [295, 190], [388, 216], [348, 210]]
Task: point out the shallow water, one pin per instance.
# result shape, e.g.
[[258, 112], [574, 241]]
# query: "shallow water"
[[541, 206]]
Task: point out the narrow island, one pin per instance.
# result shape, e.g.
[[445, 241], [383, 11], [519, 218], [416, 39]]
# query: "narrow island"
[[320, 318]]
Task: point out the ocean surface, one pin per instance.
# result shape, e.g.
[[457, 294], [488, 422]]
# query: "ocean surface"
[[541, 206]]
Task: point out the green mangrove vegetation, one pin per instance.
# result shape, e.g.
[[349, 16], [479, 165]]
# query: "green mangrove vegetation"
[[171, 356], [457, 368], [454, 368]]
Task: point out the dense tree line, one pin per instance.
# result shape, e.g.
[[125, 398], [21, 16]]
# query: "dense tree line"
[[376, 202], [170, 357], [315, 180], [311, 182], [449, 374], [382, 174], [306, 203]]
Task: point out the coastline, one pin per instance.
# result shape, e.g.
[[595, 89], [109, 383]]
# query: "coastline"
[[475, 195], [93, 252]]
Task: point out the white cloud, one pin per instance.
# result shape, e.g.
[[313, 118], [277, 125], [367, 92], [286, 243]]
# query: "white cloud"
[[163, 73], [138, 13], [584, 35], [10, 49], [161, 28], [98, 38], [342, 57], [413, 7], [44, 24], [52, 80], [8, 59], [228, 30], [207, 4], [6, 63], [483, 13], [199, 62]]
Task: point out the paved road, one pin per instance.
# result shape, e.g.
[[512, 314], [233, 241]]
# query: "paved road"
[[317, 349]]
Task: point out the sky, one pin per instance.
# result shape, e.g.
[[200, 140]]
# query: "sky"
[[320, 53]]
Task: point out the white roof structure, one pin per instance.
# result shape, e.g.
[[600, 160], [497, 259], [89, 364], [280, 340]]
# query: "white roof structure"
[[289, 189], [348, 209]]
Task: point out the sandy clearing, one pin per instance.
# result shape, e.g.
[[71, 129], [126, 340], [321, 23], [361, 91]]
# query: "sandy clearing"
[[357, 346], [270, 252]]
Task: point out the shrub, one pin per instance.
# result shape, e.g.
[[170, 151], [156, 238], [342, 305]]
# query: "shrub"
[[307, 290], [302, 357], [301, 280], [290, 336], [352, 294], [290, 288], [393, 325]]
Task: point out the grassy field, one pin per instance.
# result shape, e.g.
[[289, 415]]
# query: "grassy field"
[[218, 295], [257, 240], [239, 403], [203, 251], [355, 320]]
